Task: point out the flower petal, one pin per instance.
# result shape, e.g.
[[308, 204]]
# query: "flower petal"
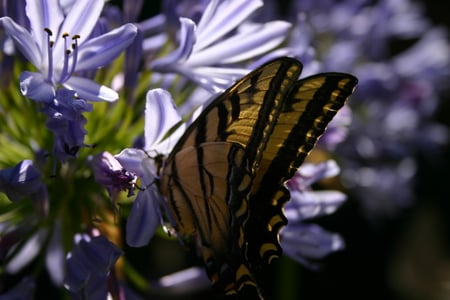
[[221, 18], [103, 49], [80, 20], [187, 40], [90, 90], [91, 258], [54, 259], [143, 219], [309, 242], [251, 42], [312, 204], [44, 14], [35, 86], [160, 116], [131, 159], [21, 180], [23, 40], [27, 252]]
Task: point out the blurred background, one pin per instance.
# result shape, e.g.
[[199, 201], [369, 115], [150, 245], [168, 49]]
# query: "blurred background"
[[395, 170]]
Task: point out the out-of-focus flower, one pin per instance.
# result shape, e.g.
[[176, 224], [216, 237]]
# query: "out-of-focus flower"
[[24, 180], [89, 264], [21, 181], [397, 93], [58, 46], [305, 242]]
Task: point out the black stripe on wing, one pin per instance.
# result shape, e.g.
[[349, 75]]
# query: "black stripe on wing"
[[304, 117]]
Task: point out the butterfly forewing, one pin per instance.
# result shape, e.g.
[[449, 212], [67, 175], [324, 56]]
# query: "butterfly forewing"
[[245, 113], [224, 180]]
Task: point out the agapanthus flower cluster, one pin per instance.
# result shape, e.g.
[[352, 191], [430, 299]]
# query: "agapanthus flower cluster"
[[94, 96]]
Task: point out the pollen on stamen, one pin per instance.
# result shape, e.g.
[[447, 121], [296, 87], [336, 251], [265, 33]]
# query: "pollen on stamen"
[[49, 32]]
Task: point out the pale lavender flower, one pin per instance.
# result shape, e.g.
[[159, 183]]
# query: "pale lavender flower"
[[59, 46], [160, 116], [89, 264], [209, 50], [302, 241]]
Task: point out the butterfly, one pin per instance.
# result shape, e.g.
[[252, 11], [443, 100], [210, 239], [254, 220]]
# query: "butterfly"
[[224, 179]]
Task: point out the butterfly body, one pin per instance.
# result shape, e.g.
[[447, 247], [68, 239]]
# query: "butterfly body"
[[224, 179]]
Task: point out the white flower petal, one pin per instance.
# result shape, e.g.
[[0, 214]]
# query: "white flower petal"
[[139, 163], [227, 16], [243, 45], [44, 14], [160, 116], [101, 50], [90, 90], [80, 20]]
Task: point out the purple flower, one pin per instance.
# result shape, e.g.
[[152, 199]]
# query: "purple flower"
[[58, 46], [24, 180], [109, 172], [89, 264], [303, 241], [66, 121]]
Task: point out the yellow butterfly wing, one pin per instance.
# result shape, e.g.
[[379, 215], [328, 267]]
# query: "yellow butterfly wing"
[[224, 179], [308, 109]]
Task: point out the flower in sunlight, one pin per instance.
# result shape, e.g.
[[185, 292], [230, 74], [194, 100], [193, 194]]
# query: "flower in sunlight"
[[60, 45], [160, 117]]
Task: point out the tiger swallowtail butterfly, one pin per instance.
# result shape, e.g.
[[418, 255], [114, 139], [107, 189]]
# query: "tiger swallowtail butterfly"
[[224, 179]]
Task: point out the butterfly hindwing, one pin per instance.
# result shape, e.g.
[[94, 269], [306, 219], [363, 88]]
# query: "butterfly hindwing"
[[224, 180], [308, 109]]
